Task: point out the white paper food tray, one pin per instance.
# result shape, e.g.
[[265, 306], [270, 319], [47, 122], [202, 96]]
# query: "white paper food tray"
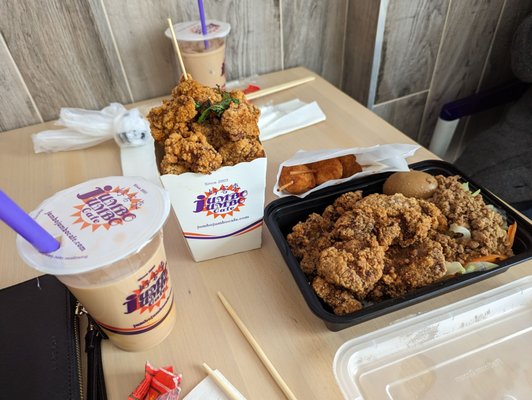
[[478, 348], [220, 213]]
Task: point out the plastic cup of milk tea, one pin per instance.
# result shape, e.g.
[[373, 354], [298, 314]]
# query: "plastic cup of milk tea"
[[203, 55], [112, 256]]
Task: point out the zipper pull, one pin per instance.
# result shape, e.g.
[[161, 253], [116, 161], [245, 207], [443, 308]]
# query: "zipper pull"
[[79, 310]]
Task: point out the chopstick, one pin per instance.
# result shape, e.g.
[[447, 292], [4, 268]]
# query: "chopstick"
[[228, 390], [260, 353], [278, 88], [176, 48]]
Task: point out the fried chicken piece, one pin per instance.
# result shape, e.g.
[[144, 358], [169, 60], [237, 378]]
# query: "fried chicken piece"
[[193, 151], [349, 165], [308, 239], [342, 301], [488, 228], [342, 204], [170, 116], [326, 170], [201, 94], [212, 131], [240, 121], [354, 265], [296, 179], [399, 219], [243, 150], [408, 268]]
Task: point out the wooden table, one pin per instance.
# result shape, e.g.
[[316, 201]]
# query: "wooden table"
[[257, 283]]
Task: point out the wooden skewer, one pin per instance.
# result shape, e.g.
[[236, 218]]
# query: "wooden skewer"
[[280, 188], [260, 353], [228, 390], [176, 47], [278, 88], [310, 171]]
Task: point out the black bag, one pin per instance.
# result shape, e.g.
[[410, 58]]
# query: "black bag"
[[40, 344]]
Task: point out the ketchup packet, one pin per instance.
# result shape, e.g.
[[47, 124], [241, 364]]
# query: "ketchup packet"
[[158, 384]]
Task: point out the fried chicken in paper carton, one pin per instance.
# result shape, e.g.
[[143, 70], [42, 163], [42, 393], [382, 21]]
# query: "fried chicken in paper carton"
[[203, 129], [214, 166]]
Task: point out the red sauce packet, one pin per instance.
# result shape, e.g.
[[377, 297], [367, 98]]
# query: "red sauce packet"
[[158, 384]]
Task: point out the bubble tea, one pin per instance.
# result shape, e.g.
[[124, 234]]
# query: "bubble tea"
[[112, 256], [203, 55]]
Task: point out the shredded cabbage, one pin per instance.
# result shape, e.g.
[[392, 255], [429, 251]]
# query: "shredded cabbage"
[[479, 266], [466, 234], [453, 268]]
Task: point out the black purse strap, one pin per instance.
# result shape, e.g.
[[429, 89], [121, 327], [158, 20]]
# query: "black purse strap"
[[93, 347]]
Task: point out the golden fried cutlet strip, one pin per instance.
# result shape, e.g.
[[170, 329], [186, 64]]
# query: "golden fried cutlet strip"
[[353, 265], [307, 239], [342, 301], [409, 268], [342, 204]]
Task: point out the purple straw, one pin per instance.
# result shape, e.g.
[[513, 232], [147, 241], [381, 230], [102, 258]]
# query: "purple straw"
[[203, 23], [25, 226]]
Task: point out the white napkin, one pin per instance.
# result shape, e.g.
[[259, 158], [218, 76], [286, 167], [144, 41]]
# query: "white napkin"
[[208, 389], [287, 117]]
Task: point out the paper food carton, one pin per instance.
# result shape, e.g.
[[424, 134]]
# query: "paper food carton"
[[220, 213]]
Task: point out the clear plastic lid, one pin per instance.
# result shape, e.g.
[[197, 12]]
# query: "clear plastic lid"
[[97, 223], [191, 31], [478, 348]]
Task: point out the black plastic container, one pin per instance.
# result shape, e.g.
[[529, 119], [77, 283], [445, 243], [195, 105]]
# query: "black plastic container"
[[282, 214]]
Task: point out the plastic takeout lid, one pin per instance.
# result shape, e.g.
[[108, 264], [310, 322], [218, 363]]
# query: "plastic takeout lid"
[[98, 222], [191, 31], [478, 348]]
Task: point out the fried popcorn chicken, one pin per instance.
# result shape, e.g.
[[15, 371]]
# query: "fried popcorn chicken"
[[240, 121], [193, 151], [197, 91], [342, 301], [170, 116], [203, 128], [242, 150]]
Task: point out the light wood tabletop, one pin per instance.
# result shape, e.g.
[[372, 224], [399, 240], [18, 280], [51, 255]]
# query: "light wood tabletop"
[[257, 283]]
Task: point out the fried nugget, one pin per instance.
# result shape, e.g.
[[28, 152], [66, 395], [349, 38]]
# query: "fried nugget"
[[349, 165], [296, 179], [193, 151], [240, 121], [171, 116], [326, 170], [201, 94], [242, 150], [342, 301]]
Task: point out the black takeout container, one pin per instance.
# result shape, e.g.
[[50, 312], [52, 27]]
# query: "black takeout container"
[[282, 214]]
